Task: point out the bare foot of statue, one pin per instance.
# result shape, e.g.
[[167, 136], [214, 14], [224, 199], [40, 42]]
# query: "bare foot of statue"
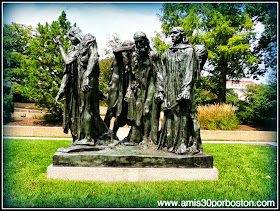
[[193, 149], [84, 142], [181, 149], [146, 142]]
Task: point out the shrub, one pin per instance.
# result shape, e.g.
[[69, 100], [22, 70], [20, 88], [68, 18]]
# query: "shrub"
[[8, 108], [217, 117], [261, 109]]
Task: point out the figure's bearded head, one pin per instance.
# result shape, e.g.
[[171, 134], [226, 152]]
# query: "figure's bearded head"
[[142, 43], [74, 35]]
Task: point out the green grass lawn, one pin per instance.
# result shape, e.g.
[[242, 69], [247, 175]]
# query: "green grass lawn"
[[246, 172]]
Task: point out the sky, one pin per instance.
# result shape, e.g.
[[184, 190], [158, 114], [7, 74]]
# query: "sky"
[[99, 19]]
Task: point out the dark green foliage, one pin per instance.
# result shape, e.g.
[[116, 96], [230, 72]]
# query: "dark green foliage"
[[205, 91], [8, 106], [266, 13], [105, 72], [232, 97], [226, 29], [261, 109], [43, 68], [16, 40], [104, 78], [158, 43]]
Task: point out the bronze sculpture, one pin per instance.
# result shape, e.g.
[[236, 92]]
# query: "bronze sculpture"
[[119, 81], [142, 109], [139, 84], [180, 131], [80, 86]]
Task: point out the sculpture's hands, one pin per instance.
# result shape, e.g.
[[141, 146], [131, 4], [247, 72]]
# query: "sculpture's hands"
[[59, 97], [133, 85], [86, 87], [159, 97], [146, 110], [183, 96]]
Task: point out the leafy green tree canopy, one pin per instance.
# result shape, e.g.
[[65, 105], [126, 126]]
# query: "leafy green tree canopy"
[[44, 66], [16, 39], [227, 30]]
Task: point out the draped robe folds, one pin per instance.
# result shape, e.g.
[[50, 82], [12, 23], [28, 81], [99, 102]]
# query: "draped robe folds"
[[141, 97], [179, 68], [118, 85], [81, 114]]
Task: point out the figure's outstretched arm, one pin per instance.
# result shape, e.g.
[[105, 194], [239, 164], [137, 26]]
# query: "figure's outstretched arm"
[[68, 59]]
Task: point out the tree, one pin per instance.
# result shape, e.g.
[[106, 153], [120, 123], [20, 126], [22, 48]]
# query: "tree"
[[227, 32], [261, 109], [266, 13], [16, 39], [105, 63], [114, 41], [44, 66], [203, 93], [105, 72], [158, 43]]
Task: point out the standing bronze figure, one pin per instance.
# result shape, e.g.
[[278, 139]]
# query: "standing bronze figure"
[[142, 109], [119, 81], [180, 132], [80, 87]]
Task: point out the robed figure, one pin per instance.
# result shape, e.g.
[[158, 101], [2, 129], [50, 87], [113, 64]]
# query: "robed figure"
[[120, 80], [143, 111], [80, 91], [180, 68]]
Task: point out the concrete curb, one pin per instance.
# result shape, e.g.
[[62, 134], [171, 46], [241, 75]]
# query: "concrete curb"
[[205, 134]]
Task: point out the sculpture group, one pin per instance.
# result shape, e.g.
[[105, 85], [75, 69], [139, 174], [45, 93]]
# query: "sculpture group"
[[141, 85]]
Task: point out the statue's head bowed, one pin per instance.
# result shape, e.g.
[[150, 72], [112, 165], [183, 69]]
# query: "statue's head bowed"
[[139, 35], [74, 31], [142, 43]]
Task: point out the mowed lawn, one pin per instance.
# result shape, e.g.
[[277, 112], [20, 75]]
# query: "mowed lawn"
[[246, 172]]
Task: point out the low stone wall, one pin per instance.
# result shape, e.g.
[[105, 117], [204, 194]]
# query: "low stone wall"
[[24, 105], [34, 131], [238, 135], [205, 134]]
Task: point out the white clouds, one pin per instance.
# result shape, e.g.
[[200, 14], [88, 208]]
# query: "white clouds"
[[98, 19], [104, 20], [30, 14]]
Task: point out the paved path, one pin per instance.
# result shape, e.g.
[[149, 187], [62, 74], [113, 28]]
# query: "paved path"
[[263, 143]]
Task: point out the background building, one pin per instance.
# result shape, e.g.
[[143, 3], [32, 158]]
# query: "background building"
[[238, 87]]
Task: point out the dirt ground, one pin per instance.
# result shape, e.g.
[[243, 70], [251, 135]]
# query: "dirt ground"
[[41, 122]]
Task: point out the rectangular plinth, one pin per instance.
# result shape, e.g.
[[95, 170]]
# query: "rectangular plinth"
[[119, 174], [132, 156]]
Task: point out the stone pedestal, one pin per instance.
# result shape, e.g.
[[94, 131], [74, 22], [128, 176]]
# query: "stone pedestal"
[[131, 164], [122, 174]]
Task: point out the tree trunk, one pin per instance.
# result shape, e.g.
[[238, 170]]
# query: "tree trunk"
[[223, 83]]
